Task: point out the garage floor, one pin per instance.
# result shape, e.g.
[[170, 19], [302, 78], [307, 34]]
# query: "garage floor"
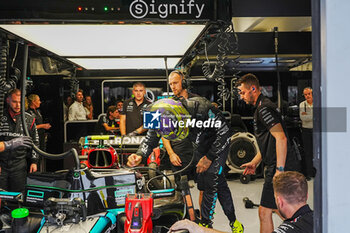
[[248, 217]]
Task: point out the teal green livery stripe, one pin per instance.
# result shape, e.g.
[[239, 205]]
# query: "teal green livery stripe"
[[80, 190]]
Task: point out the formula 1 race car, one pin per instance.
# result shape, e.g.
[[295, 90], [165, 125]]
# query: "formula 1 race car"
[[86, 199]]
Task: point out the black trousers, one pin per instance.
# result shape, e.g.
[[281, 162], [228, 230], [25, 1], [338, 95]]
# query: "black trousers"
[[307, 161], [190, 171], [14, 179], [214, 186]]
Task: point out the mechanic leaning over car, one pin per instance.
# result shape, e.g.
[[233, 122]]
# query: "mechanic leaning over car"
[[15, 148], [211, 146], [180, 152]]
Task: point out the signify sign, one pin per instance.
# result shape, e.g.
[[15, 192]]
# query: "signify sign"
[[193, 10], [184, 9]]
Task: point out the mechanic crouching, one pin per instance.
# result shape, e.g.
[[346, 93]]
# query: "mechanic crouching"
[[15, 148], [211, 148]]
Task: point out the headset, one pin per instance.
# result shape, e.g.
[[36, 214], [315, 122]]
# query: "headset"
[[185, 83]]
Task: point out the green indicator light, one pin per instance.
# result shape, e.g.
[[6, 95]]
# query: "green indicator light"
[[20, 213], [105, 8]]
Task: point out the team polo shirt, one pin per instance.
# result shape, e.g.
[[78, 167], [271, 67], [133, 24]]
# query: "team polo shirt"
[[301, 222], [134, 114], [266, 116]]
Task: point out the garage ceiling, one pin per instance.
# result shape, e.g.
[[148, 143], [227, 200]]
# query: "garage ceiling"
[[256, 45], [93, 46], [253, 25], [266, 24]]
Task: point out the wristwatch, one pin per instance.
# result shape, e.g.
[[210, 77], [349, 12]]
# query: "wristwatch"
[[281, 168]]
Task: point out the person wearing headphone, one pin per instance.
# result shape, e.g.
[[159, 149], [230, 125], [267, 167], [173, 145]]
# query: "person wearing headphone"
[[179, 84], [212, 145], [180, 152], [275, 151]]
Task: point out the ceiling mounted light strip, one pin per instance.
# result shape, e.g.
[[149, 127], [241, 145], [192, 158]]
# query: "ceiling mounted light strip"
[[109, 40], [124, 63]]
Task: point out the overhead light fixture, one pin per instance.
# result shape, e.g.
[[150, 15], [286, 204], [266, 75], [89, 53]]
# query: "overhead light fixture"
[[125, 63], [283, 61], [250, 61], [81, 40]]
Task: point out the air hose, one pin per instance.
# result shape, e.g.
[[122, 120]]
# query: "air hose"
[[171, 174], [152, 173], [156, 170], [228, 43], [5, 84], [72, 152]]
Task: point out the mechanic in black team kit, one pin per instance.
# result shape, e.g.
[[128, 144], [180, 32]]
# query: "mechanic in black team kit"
[[291, 193], [16, 147], [131, 119], [211, 145], [180, 152], [275, 151]]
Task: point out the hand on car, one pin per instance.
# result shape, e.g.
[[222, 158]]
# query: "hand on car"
[[134, 160], [33, 168], [133, 133]]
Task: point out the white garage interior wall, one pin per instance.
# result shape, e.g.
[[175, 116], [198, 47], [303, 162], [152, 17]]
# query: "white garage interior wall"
[[335, 84]]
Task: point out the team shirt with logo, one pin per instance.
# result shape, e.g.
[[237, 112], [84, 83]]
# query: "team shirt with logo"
[[134, 114], [266, 116]]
